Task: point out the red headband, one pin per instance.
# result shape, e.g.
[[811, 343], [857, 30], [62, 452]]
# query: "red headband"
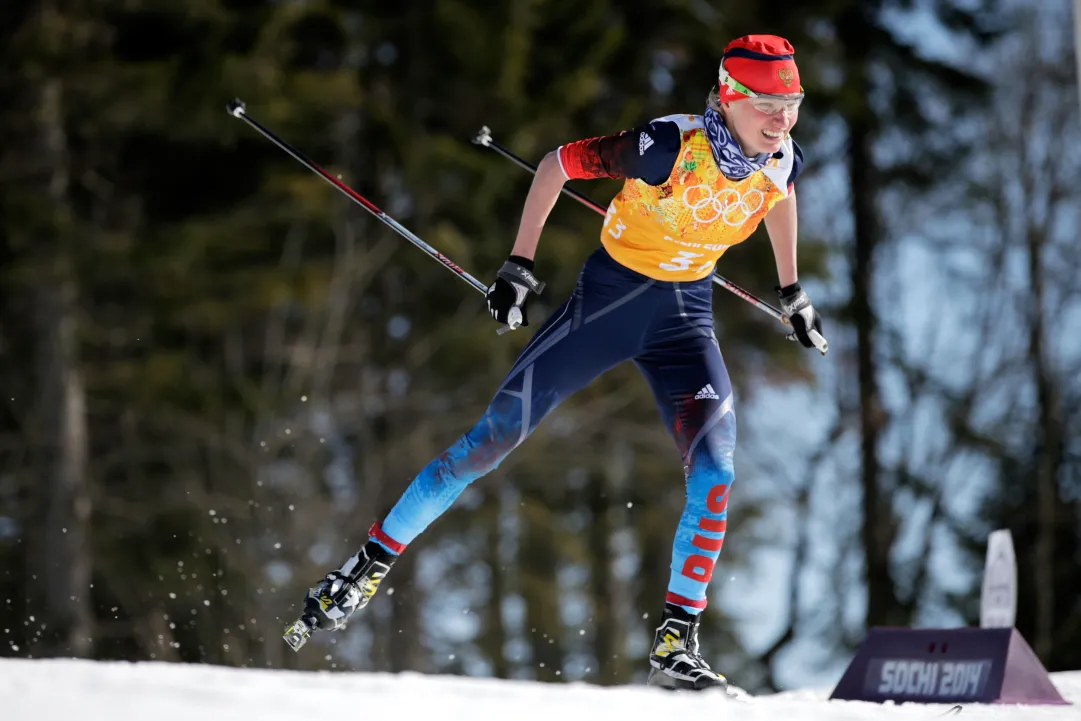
[[763, 63]]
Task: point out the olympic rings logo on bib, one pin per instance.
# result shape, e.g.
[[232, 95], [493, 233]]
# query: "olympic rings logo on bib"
[[727, 205]]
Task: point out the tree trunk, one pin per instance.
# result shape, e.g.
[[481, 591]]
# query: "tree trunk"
[[1077, 40], [405, 648], [66, 566], [1047, 461], [493, 638], [540, 589], [656, 529], [605, 635], [876, 523], [875, 531]]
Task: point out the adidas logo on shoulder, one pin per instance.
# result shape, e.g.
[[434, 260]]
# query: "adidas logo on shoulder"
[[707, 392], [644, 141]]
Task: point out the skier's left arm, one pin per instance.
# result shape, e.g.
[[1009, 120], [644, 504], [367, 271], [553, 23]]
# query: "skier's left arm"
[[781, 225]]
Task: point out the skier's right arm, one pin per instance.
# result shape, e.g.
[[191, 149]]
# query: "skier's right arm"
[[648, 152], [543, 193], [508, 296]]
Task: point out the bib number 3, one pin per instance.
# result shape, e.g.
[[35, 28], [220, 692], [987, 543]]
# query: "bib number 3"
[[683, 262]]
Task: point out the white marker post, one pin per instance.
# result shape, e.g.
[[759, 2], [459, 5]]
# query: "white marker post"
[[998, 597]]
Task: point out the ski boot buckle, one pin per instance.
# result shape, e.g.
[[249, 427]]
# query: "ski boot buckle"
[[298, 633]]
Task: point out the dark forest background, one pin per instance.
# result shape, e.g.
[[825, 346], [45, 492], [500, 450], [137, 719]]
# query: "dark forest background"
[[215, 371]]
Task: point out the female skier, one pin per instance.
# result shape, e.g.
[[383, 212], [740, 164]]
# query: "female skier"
[[695, 185]]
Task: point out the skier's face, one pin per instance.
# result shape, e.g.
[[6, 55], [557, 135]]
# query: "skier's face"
[[761, 126]]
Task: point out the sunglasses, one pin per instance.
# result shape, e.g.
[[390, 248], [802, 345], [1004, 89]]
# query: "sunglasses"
[[767, 104]]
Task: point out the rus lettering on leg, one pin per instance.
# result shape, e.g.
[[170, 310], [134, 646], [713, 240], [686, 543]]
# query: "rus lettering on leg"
[[698, 567]]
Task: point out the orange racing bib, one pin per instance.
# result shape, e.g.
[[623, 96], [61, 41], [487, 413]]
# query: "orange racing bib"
[[678, 230]]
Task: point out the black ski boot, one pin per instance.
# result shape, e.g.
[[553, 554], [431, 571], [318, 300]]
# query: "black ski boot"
[[329, 604], [675, 661]]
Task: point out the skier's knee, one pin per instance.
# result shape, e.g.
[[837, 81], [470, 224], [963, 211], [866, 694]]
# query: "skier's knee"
[[483, 448], [486, 450], [714, 452]]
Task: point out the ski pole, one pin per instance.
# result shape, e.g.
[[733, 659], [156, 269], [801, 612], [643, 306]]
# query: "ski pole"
[[237, 109], [484, 137]]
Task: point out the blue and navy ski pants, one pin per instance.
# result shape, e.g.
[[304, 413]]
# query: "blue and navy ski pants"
[[613, 315]]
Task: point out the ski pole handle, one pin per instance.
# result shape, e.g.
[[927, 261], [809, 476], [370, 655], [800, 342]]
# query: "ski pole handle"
[[819, 341], [514, 320]]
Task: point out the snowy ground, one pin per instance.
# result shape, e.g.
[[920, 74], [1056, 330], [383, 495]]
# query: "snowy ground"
[[87, 691]]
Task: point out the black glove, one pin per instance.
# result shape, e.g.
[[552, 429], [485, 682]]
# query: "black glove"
[[800, 313], [508, 295]]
